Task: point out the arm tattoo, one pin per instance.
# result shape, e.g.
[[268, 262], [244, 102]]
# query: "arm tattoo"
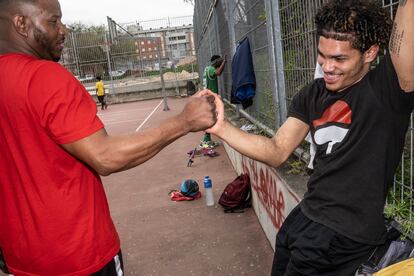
[[396, 39], [403, 2]]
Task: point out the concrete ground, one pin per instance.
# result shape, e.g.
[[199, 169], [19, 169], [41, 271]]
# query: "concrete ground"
[[163, 237]]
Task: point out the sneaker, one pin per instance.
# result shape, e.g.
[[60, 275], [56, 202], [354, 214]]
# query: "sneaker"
[[203, 145], [214, 144]]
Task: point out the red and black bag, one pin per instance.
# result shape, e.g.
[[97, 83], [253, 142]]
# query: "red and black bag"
[[237, 195]]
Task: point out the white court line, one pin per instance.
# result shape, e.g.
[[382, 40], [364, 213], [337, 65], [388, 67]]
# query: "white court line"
[[120, 113], [115, 122], [146, 119]]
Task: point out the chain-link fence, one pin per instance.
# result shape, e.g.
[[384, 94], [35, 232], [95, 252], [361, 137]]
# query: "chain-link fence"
[[128, 55], [283, 45]]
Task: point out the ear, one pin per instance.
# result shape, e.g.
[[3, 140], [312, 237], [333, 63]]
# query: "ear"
[[371, 53], [20, 24]]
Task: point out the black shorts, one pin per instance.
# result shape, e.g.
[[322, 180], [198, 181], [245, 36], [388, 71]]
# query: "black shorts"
[[101, 98], [3, 266], [114, 268], [305, 247]]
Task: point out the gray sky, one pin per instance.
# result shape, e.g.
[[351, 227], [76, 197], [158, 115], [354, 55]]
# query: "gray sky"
[[94, 12]]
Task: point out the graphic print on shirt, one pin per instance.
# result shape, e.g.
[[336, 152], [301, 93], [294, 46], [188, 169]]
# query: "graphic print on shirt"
[[333, 126]]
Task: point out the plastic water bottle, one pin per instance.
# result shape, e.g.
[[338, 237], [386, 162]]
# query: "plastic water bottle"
[[208, 186]]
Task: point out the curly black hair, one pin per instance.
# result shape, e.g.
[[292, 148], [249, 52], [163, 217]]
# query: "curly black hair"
[[362, 22]]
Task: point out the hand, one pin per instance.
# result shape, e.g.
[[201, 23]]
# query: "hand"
[[220, 122], [200, 111]]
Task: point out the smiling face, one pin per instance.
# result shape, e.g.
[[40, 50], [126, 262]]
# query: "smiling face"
[[343, 65], [46, 32]]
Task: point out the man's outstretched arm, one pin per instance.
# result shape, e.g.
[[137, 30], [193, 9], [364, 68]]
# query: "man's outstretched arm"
[[107, 154], [272, 151], [402, 44]]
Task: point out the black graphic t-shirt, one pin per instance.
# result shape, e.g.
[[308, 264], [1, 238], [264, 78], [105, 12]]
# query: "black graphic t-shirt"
[[359, 134]]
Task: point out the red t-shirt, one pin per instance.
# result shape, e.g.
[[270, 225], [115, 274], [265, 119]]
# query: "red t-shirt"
[[54, 215]]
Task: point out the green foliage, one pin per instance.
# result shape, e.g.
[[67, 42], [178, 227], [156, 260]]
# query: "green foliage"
[[262, 15], [80, 27], [124, 45], [399, 209], [296, 167], [400, 203], [407, 230]]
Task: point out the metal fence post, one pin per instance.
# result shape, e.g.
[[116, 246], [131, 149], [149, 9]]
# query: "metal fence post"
[[276, 56], [218, 44], [164, 94], [272, 58], [232, 36], [231, 4], [108, 57], [177, 89]]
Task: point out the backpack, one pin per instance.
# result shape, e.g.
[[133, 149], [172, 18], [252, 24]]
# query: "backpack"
[[236, 195]]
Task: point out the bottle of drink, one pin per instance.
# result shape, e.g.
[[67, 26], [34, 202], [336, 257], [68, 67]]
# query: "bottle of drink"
[[208, 186]]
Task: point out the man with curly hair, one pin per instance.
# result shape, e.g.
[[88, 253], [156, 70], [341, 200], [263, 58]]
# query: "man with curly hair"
[[357, 118]]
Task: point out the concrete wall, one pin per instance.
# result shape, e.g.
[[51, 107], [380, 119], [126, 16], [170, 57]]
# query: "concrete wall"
[[273, 199]]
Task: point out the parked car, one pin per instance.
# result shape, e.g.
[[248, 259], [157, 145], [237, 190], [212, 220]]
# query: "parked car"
[[117, 73], [87, 77]]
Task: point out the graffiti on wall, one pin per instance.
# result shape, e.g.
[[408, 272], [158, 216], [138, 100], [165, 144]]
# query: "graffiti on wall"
[[272, 198], [267, 185]]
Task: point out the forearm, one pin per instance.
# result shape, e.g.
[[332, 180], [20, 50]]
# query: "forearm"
[[257, 147], [124, 152], [221, 68], [108, 154], [402, 44]]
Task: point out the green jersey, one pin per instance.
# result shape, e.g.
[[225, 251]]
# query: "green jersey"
[[210, 79]]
